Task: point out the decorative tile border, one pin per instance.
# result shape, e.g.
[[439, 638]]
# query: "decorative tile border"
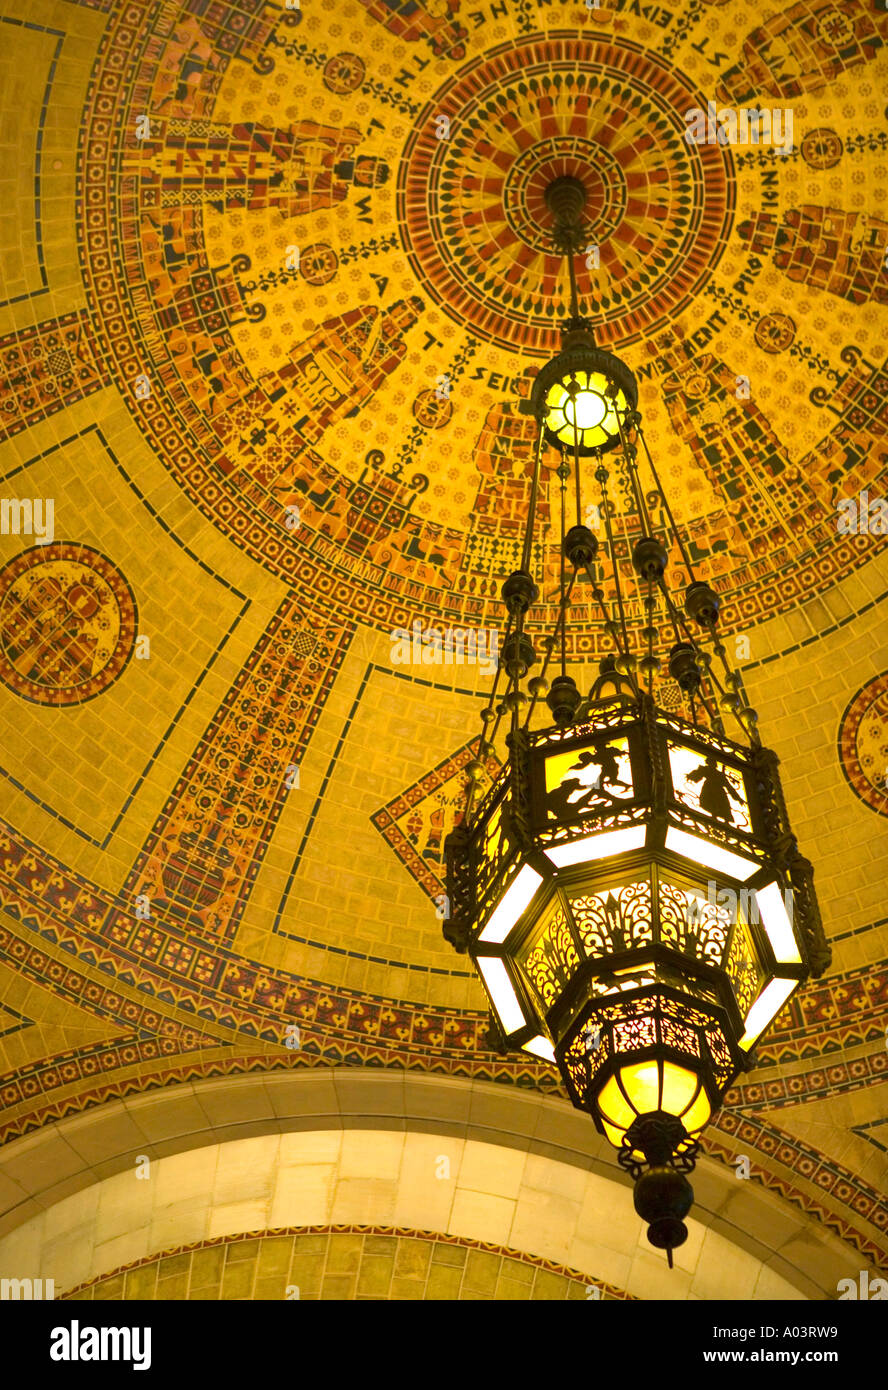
[[503, 1252]]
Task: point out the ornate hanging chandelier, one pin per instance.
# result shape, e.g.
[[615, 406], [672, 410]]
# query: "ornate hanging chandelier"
[[628, 887]]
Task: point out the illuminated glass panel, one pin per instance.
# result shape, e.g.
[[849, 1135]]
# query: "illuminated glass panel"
[[541, 1047], [703, 783], [605, 844], [744, 970], [502, 993], [586, 781], [579, 409], [775, 909], [550, 958], [614, 919], [511, 905], [766, 1007], [710, 855]]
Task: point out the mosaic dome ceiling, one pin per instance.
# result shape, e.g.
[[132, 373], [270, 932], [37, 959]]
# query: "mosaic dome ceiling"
[[276, 283]]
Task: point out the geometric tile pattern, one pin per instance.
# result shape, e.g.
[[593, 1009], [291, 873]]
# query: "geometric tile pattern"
[[342, 1262], [417, 822]]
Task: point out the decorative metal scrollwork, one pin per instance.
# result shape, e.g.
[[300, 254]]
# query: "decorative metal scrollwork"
[[611, 921], [552, 960], [693, 925], [742, 969]]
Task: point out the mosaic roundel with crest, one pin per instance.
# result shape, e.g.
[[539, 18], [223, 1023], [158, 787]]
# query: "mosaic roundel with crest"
[[67, 624], [863, 743]]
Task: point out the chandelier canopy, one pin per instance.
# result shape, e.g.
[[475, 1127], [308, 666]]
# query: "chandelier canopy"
[[628, 887]]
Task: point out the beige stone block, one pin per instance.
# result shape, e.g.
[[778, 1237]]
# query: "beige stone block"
[[771, 1285], [823, 1261], [375, 1154], [179, 1223], [543, 1175], [237, 1217], [303, 1195], [125, 1203], [607, 1217], [173, 1116], [498, 1112], [370, 1093], [653, 1279], [246, 1170], [109, 1133], [20, 1250], [183, 1175], [723, 1270], [299, 1147], [38, 1160], [73, 1213], [230, 1103], [429, 1097], [491, 1168], [545, 1224], [364, 1201], [758, 1214], [112, 1254], [598, 1263], [480, 1216]]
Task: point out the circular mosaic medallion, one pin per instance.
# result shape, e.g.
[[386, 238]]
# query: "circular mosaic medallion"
[[822, 149], [344, 73], [775, 332], [863, 743], [432, 410], [472, 184], [67, 624], [318, 264]]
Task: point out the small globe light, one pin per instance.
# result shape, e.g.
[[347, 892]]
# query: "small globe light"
[[579, 410], [582, 396], [643, 1087]]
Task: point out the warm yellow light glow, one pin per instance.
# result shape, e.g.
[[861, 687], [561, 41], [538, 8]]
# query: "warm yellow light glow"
[[511, 905], [679, 1094], [597, 846], [502, 994], [613, 1134], [642, 1085], [698, 1115], [541, 1047], [710, 855], [775, 920], [589, 413], [679, 1089], [615, 1137], [766, 1008], [614, 1106], [585, 410]]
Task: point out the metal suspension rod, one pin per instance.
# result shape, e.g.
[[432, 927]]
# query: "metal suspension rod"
[[665, 500], [534, 492]]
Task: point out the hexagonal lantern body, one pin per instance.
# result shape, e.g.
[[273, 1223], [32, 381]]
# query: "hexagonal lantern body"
[[625, 894]]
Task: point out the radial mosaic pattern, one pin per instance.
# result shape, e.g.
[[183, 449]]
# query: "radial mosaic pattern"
[[317, 228], [473, 179]]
